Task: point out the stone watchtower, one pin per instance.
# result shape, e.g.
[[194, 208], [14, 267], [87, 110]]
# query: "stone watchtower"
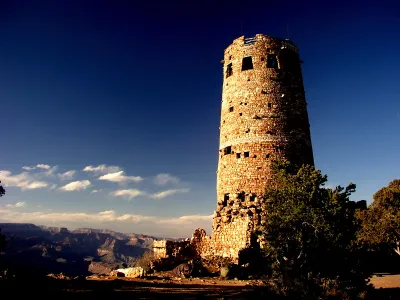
[[263, 116]]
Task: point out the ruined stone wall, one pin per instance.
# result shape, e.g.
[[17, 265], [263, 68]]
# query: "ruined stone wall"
[[228, 240], [263, 116]]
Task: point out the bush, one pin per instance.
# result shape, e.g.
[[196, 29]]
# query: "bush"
[[309, 235]]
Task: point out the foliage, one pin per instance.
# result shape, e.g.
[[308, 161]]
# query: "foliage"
[[146, 260], [381, 221], [309, 233], [2, 190]]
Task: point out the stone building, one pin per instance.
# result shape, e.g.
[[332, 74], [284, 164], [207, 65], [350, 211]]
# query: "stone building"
[[263, 117]]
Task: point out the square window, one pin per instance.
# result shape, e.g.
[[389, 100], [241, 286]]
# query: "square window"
[[246, 154], [247, 63], [237, 155], [269, 105], [228, 150], [231, 109]]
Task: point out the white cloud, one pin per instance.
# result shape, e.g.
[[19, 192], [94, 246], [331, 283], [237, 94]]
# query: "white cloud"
[[95, 191], [110, 219], [42, 166], [50, 171], [16, 205], [76, 186], [167, 193], [67, 175], [28, 168], [165, 178], [102, 169], [130, 193], [23, 180], [186, 219], [120, 177]]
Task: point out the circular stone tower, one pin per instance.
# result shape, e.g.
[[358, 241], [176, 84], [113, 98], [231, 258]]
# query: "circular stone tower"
[[264, 116]]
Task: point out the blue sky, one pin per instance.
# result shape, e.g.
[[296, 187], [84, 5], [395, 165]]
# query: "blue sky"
[[134, 89]]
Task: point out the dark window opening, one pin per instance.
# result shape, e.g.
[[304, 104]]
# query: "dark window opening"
[[241, 197], [248, 79], [230, 57], [228, 150], [248, 130], [268, 155], [270, 132], [245, 104], [268, 49], [237, 155], [229, 70], [272, 62], [254, 156], [252, 198], [250, 213], [247, 63], [269, 105], [240, 114], [264, 92], [246, 154], [226, 199], [231, 109], [262, 58]]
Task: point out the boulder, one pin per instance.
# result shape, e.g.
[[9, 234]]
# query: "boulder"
[[184, 269], [115, 273], [136, 272]]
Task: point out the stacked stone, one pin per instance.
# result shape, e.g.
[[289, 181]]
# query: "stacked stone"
[[263, 117]]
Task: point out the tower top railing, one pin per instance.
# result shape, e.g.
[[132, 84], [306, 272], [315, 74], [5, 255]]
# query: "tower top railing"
[[249, 41]]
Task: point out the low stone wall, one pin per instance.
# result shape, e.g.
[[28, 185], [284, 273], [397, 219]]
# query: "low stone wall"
[[226, 241]]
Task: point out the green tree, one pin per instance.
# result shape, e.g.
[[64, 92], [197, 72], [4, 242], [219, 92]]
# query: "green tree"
[[381, 221], [309, 233], [2, 190]]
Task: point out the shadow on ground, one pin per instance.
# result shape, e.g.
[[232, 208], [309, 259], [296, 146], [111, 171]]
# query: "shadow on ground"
[[93, 289]]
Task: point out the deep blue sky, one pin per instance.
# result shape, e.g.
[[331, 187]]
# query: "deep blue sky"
[[138, 86]]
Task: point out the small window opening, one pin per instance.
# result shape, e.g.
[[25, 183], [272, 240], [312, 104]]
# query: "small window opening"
[[241, 197], [246, 154], [231, 109], [272, 61], [247, 63], [262, 58], [269, 105], [228, 150], [252, 198], [268, 155], [248, 79], [240, 114], [226, 199], [230, 57], [250, 213], [245, 104], [264, 92], [237, 155], [248, 130], [229, 70], [270, 132], [254, 156]]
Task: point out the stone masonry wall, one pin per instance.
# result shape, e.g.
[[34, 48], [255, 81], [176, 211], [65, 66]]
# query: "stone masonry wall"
[[263, 117]]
